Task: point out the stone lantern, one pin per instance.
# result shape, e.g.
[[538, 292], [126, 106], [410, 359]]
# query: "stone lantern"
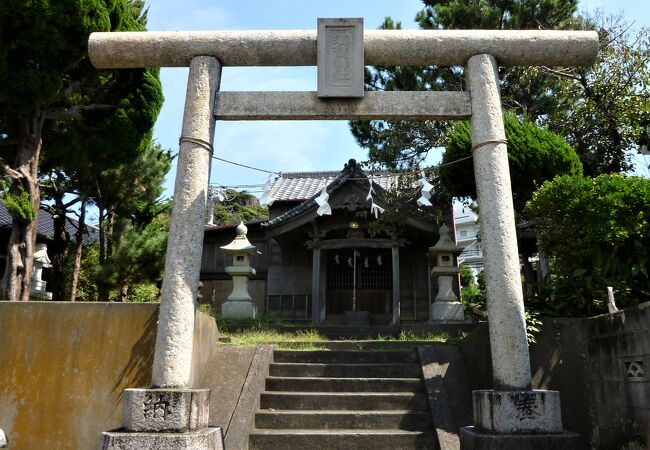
[[41, 260], [239, 304], [446, 306]]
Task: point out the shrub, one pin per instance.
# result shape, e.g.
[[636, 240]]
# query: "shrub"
[[597, 232]]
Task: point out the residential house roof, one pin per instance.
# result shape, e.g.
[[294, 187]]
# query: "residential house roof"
[[45, 228]]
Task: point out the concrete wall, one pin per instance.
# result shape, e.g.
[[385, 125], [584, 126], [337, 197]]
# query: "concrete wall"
[[64, 366], [233, 404], [600, 366]]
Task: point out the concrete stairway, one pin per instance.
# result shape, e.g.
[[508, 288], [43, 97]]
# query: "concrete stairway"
[[353, 399]]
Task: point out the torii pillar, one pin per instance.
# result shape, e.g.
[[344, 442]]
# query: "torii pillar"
[[510, 416]]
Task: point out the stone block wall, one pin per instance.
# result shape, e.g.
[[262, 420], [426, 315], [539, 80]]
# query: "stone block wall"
[[618, 362], [600, 365]]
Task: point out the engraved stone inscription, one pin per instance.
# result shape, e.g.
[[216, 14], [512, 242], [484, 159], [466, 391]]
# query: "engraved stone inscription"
[[340, 58], [156, 407], [526, 406], [339, 70]]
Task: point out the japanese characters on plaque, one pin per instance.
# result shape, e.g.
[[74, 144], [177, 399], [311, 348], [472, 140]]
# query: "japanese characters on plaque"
[[340, 57]]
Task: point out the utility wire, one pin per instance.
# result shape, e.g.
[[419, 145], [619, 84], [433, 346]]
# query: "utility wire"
[[357, 178], [248, 167]]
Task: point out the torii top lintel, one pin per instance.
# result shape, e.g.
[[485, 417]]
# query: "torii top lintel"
[[381, 47]]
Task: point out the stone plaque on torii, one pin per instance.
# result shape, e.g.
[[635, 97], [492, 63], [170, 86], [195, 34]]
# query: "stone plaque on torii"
[[512, 413]]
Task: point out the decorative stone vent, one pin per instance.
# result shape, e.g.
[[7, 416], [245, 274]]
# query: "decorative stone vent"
[[634, 370]]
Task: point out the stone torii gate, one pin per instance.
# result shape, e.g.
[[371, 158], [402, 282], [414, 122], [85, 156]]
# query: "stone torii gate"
[[513, 413]]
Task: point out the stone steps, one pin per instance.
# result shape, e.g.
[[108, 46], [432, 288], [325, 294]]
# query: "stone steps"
[[344, 399], [346, 356], [382, 419], [390, 439], [321, 384], [357, 344], [345, 370]]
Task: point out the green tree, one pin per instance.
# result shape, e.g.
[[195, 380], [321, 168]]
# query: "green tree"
[[466, 275], [598, 110], [47, 82], [597, 232], [406, 143], [535, 155], [128, 199], [138, 256], [238, 206], [602, 110]]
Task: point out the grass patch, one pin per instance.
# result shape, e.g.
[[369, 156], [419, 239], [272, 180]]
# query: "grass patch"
[[290, 336], [298, 340], [268, 330]]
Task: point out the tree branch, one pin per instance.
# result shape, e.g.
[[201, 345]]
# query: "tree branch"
[[559, 73], [11, 173], [76, 112]]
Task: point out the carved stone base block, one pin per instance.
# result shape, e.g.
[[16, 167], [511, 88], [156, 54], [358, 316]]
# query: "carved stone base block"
[[473, 439], [205, 439], [446, 311], [531, 411], [164, 419], [167, 410], [238, 309]]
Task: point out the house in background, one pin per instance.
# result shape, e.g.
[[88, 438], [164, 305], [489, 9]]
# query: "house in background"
[[45, 233], [467, 233], [313, 268]]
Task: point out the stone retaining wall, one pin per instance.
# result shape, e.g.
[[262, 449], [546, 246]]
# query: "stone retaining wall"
[[600, 366]]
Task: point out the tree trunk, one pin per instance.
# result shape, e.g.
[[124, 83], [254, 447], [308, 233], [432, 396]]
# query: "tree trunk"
[[78, 250], [58, 248], [124, 291], [103, 293], [20, 250]]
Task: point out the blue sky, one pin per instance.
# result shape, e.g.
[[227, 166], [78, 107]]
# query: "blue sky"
[[292, 145]]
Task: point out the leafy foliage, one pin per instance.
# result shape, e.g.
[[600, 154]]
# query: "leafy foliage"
[[602, 110], [134, 221], [19, 206], [406, 143], [60, 114], [466, 276], [138, 256], [535, 155], [599, 110], [238, 207], [86, 287], [598, 234]]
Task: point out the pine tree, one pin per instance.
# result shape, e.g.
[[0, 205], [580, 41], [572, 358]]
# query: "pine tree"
[[598, 110], [47, 81]]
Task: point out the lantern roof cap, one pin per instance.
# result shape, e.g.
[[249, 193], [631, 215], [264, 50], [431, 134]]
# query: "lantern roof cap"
[[240, 244], [445, 243]]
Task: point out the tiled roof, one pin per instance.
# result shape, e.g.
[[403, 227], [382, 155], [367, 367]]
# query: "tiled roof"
[[299, 186], [46, 226], [296, 186]]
